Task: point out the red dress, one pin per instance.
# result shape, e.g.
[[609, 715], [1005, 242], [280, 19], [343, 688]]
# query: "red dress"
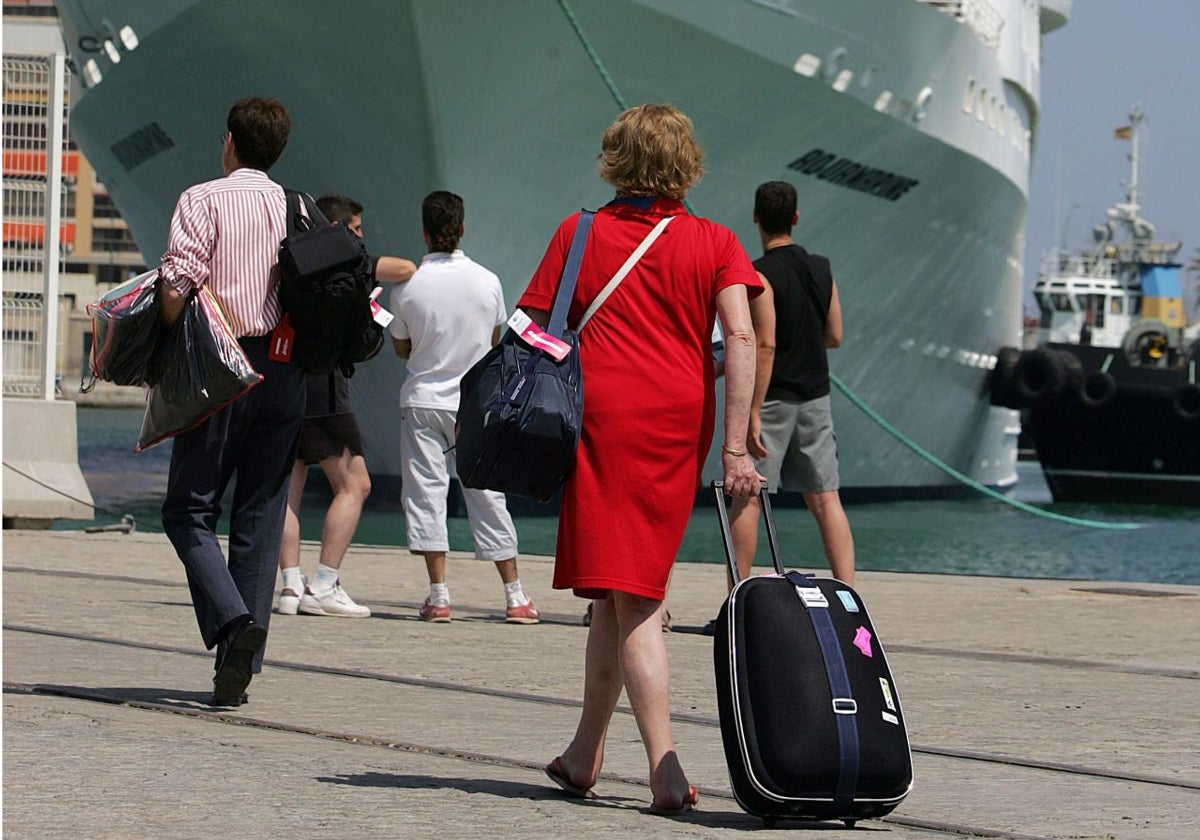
[[648, 399]]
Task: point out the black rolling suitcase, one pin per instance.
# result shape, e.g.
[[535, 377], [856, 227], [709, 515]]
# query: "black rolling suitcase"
[[810, 715]]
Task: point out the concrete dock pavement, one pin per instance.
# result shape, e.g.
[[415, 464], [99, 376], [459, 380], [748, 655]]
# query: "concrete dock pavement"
[[1036, 708]]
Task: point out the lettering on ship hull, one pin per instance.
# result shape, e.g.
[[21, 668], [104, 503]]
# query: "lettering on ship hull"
[[143, 144], [844, 172]]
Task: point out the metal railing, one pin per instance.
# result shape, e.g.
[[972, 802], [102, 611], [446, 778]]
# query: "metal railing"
[[22, 345], [1061, 262], [981, 16], [35, 113]]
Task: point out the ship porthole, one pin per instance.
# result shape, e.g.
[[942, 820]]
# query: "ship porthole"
[[834, 63], [920, 105], [1098, 390], [1186, 402]]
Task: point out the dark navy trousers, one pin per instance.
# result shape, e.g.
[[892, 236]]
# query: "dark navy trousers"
[[253, 442]]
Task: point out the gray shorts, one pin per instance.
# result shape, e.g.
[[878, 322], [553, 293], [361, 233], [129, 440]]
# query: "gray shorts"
[[801, 446]]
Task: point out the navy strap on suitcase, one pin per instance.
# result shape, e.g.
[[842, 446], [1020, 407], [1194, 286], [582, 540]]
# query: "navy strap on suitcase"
[[810, 716]]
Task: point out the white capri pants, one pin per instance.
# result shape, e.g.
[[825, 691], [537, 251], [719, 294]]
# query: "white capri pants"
[[425, 435]]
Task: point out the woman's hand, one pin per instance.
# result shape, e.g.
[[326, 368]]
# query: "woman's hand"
[[741, 479]]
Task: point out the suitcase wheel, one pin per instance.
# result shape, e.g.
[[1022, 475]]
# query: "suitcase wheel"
[[849, 823]]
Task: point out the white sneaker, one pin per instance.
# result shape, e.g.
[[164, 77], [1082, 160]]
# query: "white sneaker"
[[334, 602], [289, 601]]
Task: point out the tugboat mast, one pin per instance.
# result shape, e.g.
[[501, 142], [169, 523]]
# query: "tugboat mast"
[[1136, 118]]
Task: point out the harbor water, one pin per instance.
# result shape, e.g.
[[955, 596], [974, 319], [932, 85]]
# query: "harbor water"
[[974, 536]]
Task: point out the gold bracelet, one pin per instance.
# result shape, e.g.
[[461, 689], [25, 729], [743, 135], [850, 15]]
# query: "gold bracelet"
[[736, 453]]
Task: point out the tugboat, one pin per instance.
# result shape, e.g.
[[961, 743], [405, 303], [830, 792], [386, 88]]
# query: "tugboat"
[[1109, 396]]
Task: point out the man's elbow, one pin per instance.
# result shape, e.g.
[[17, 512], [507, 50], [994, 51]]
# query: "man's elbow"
[[395, 269], [832, 342]]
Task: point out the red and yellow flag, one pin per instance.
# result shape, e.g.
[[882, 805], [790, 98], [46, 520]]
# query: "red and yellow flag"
[[1124, 132]]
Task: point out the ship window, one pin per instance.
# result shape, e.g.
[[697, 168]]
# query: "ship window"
[[1062, 302], [969, 98], [1093, 305], [807, 65], [884, 101], [1116, 305], [1047, 314]]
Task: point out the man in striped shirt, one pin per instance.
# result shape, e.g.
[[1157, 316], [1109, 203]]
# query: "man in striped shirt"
[[225, 234]]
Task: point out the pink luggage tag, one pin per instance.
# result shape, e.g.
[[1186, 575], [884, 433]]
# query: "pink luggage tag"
[[862, 641], [537, 338]]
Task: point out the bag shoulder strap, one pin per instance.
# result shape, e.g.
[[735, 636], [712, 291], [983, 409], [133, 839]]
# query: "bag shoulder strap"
[[566, 284], [306, 214], [625, 269]]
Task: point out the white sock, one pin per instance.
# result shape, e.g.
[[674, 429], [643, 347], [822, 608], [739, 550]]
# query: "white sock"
[[514, 595], [439, 592], [293, 580], [325, 580]]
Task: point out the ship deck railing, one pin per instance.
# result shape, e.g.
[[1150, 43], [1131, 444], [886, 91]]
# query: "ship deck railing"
[[981, 16], [1060, 263]]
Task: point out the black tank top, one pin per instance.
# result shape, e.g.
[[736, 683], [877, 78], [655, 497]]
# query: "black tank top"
[[803, 287]]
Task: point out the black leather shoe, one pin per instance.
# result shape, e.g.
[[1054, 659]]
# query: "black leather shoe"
[[235, 670]]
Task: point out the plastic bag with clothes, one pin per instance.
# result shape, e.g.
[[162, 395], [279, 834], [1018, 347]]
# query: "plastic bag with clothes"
[[199, 370], [126, 332]]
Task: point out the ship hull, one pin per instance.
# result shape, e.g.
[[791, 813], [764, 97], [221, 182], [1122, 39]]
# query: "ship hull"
[[501, 103]]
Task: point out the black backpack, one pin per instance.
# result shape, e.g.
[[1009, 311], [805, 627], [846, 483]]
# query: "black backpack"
[[325, 286]]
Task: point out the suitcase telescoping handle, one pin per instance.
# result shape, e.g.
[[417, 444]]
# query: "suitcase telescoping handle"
[[727, 534]]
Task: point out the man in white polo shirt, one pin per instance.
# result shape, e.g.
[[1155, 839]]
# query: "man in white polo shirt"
[[446, 318]]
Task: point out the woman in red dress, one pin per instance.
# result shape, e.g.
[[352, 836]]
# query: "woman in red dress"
[[649, 412]]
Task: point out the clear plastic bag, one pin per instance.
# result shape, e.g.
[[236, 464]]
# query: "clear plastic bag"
[[199, 370], [127, 331]]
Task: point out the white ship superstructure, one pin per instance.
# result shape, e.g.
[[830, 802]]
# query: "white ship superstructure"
[[906, 127]]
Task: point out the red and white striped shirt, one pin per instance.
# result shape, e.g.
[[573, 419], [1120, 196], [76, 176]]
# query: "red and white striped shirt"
[[226, 233]]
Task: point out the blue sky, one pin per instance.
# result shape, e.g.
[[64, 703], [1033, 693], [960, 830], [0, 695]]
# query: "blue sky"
[[1111, 55]]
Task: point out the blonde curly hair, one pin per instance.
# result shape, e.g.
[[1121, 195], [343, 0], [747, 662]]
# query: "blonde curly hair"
[[651, 150]]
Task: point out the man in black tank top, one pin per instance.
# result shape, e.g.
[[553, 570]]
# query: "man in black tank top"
[[791, 433]]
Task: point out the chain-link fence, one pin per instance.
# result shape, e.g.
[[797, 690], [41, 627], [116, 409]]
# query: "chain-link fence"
[[35, 239]]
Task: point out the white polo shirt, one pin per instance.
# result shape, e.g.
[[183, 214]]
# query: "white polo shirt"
[[448, 310]]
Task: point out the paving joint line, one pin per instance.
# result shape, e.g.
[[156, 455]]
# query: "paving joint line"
[[679, 717], [228, 719]]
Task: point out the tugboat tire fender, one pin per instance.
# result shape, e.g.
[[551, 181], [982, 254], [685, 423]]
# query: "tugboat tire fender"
[[1098, 390], [1186, 402], [1044, 374], [1002, 382], [1142, 336]]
